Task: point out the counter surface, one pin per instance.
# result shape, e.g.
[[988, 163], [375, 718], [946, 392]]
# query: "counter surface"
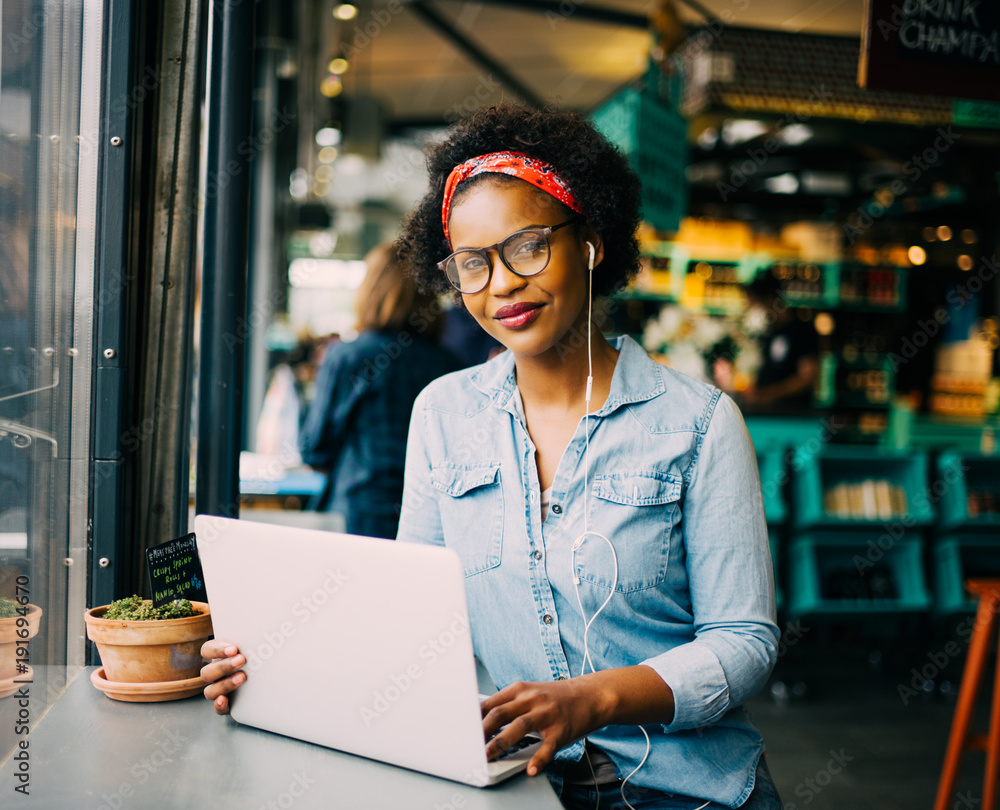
[[88, 751]]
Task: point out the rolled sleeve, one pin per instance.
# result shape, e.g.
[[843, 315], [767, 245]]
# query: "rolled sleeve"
[[698, 681], [730, 578]]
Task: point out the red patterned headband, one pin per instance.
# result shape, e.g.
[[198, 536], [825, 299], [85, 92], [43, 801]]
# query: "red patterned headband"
[[537, 172]]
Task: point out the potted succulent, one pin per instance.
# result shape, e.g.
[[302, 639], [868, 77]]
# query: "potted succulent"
[[149, 654], [18, 624]]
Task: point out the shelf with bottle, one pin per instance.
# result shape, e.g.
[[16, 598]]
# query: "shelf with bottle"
[[662, 265], [957, 558], [861, 382], [963, 384], [856, 573], [805, 284], [855, 485], [872, 289], [717, 286]]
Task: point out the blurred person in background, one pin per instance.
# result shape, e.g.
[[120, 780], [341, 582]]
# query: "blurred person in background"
[[288, 394], [789, 351], [355, 428]]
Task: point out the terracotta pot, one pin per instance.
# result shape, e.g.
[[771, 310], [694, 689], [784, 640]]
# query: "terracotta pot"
[[151, 651], [9, 639]]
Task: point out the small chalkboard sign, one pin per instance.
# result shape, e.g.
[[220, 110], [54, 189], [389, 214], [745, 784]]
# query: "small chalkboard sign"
[[175, 571]]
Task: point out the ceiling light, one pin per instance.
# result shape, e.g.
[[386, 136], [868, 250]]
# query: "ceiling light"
[[916, 254], [328, 154], [708, 137], [786, 183], [968, 236], [929, 234], [823, 323], [298, 183], [338, 65], [944, 233], [345, 11], [738, 130], [965, 262], [331, 86], [795, 134], [826, 183], [328, 136]]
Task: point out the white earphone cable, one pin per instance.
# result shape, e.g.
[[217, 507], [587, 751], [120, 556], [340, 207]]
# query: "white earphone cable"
[[586, 532]]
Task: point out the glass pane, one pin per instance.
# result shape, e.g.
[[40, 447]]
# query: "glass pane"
[[45, 352]]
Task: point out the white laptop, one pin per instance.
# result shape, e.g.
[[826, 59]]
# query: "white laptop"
[[354, 643]]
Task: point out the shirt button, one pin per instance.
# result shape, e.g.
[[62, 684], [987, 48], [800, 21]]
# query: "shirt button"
[[547, 618], [537, 554], [557, 509]]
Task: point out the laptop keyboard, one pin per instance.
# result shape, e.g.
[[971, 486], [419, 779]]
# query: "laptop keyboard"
[[520, 745]]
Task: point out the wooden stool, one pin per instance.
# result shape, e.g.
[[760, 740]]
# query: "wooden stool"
[[960, 741]]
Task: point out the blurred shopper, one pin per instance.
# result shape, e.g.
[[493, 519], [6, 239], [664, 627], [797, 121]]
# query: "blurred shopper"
[[286, 400], [789, 351], [355, 428]]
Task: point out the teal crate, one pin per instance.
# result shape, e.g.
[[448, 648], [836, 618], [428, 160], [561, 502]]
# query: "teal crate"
[[786, 431], [958, 476], [937, 432], [816, 473], [771, 467], [653, 137], [959, 557], [779, 594], [851, 574]]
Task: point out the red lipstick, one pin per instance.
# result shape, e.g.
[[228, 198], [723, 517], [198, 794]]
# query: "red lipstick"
[[515, 316]]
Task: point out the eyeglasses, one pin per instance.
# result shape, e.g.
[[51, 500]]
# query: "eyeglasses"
[[524, 253]]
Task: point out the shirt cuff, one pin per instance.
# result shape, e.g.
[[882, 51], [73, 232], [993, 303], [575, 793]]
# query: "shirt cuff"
[[696, 677]]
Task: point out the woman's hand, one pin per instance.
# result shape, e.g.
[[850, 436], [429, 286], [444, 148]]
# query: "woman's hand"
[[564, 711], [221, 672], [560, 712]]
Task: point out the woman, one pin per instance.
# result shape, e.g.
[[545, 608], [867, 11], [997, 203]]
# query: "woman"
[[356, 425], [611, 529]]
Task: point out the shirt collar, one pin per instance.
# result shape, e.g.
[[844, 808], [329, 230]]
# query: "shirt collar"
[[637, 377]]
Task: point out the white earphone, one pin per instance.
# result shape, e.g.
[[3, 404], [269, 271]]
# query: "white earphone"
[[578, 543]]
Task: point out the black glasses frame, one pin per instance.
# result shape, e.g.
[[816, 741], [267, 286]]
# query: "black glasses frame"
[[545, 232]]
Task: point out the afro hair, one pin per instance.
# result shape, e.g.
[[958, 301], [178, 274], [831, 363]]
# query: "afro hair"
[[597, 173]]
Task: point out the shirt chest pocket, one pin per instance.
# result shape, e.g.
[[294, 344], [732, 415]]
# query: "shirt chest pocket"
[[471, 513], [639, 513]]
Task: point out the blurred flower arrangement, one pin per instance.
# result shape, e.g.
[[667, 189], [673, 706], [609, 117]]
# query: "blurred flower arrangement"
[[720, 350]]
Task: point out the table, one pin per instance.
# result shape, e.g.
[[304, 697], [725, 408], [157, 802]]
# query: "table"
[[270, 478], [89, 751]]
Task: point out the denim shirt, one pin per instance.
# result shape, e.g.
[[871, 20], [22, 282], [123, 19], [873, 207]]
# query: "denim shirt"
[[674, 486]]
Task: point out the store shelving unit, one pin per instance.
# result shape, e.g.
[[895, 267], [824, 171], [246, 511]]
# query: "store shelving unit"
[[854, 549], [851, 574], [969, 541], [863, 469], [970, 497], [770, 466], [957, 557]]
